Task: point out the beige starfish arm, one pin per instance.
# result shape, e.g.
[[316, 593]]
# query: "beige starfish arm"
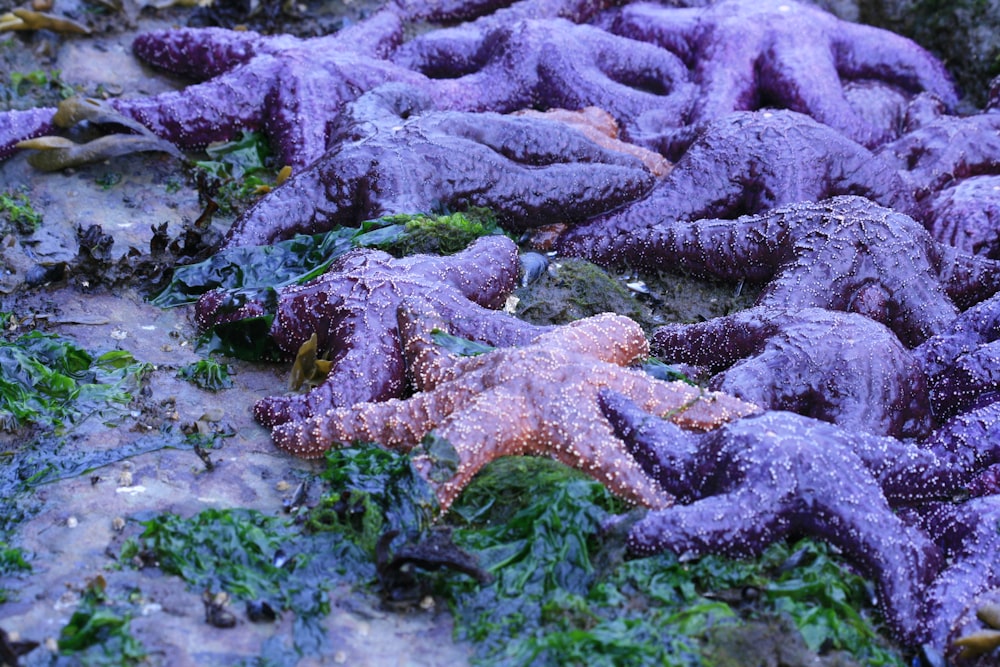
[[608, 337], [514, 420], [397, 424], [585, 441], [497, 423], [686, 405], [428, 365]]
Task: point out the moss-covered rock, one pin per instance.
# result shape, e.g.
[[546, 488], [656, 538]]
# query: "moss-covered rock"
[[572, 289]]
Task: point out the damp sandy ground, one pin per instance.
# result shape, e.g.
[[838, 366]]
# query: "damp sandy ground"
[[78, 530]]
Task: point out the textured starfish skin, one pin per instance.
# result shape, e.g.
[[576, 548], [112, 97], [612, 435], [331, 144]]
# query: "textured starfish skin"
[[844, 253], [747, 54], [352, 311], [552, 63], [539, 399], [761, 478], [395, 156], [967, 533], [291, 88], [837, 367], [18, 126], [943, 150], [962, 362], [750, 162], [951, 164]]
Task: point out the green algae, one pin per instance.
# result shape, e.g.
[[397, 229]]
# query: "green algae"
[[447, 234], [564, 594], [98, 632], [49, 382], [563, 591], [16, 208], [207, 374]]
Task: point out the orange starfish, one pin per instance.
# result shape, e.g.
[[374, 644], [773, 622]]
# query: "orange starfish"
[[536, 400]]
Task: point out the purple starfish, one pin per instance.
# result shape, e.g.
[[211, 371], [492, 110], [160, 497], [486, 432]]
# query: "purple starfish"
[[352, 311], [291, 88], [748, 54], [395, 155], [962, 362], [750, 162], [762, 478], [942, 150], [952, 166], [838, 367], [552, 63], [844, 253], [967, 533]]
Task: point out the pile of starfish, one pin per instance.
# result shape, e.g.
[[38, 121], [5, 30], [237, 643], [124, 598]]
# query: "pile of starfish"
[[858, 401]]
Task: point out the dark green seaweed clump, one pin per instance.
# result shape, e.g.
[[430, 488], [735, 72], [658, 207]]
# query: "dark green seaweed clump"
[[207, 374], [98, 632], [536, 572], [564, 595]]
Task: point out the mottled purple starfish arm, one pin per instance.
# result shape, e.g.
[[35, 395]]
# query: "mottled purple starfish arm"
[[968, 533], [945, 150], [17, 125], [837, 367], [968, 279], [844, 253], [769, 476], [552, 64], [215, 110], [747, 54], [502, 11], [530, 171], [197, 53], [750, 162], [456, 50]]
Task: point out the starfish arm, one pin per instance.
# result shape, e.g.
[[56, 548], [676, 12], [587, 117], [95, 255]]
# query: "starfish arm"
[[944, 150], [889, 276], [370, 370], [610, 338], [739, 524], [749, 54], [966, 216], [791, 73], [942, 464], [971, 379], [484, 273], [215, 110], [198, 53], [971, 328], [866, 52], [490, 327], [748, 163], [665, 451], [836, 367], [968, 533], [18, 125], [532, 141], [625, 77], [397, 424], [309, 202], [675, 30], [305, 92], [968, 279], [377, 36], [777, 474], [717, 343]]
